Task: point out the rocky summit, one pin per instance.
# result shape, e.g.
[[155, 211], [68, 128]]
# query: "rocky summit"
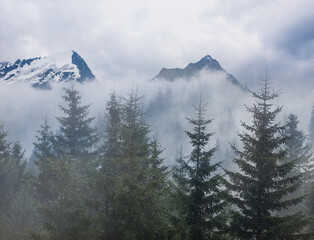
[[192, 69], [40, 72]]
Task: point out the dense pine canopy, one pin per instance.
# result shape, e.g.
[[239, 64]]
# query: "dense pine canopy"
[[85, 183]]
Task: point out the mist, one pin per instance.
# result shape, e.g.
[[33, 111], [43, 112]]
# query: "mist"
[[167, 106]]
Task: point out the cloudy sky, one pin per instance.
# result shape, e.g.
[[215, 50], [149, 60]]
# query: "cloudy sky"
[[122, 37], [125, 42]]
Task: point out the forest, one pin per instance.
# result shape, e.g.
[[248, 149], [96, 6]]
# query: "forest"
[[81, 185]]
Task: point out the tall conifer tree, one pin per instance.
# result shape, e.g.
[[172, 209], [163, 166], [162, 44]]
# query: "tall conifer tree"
[[204, 200], [71, 166], [76, 137], [297, 150], [263, 180], [16, 210], [310, 203], [44, 157], [136, 211], [108, 175]]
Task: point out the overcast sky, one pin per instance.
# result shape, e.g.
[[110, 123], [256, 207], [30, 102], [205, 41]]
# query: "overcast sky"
[[124, 37]]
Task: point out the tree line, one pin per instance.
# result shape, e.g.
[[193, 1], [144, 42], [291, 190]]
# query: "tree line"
[[84, 186]]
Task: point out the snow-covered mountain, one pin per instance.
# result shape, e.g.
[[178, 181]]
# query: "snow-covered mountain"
[[42, 71], [192, 69]]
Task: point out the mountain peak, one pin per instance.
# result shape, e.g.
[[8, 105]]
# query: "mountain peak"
[[207, 62], [41, 71], [192, 69], [207, 58]]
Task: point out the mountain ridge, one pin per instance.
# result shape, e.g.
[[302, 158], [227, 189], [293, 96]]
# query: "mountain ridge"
[[207, 62], [40, 72]]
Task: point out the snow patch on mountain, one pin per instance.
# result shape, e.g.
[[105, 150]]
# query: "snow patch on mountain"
[[42, 71]]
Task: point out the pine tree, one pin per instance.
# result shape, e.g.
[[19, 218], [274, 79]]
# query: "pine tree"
[[12, 169], [310, 205], [297, 150], [16, 210], [113, 123], [158, 190], [262, 182], [43, 146], [107, 177], [76, 138], [135, 209], [204, 199], [70, 167], [130, 199], [5, 149], [17, 165], [310, 202], [179, 198], [44, 159]]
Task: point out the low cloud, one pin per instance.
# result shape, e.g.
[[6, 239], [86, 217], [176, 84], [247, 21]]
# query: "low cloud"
[[23, 108]]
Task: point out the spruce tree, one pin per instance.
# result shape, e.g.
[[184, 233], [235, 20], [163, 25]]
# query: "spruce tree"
[[5, 149], [66, 211], [296, 146], [310, 205], [12, 169], [136, 211], [76, 137], [16, 192], [204, 200], [310, 202], [297, 150], [130, 198], [179, 198], [158, 190], [44, 157], [263, 180], [106, 180]]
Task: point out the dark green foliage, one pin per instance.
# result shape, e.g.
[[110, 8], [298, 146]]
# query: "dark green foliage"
[[5, 149], [310, 205], [65, 213], [132, 179], [158, 189], [295, 146], [199, 185], [17, 215], [134, 209], [121, 189], [76, 138], [107, 177], [67, 167], [43, 146], [179, 198], [263, 181], [297, 150], [44, 159]]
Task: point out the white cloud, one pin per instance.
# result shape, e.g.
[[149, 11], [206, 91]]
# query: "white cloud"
[[116, 37], [130, 41]]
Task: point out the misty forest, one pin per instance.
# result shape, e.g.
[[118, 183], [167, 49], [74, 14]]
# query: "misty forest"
[[114, 182]]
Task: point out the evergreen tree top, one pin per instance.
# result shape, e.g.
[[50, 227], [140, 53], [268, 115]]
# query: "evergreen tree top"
[[263, 179], [4, 145], [199, 137], [76, 136]]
